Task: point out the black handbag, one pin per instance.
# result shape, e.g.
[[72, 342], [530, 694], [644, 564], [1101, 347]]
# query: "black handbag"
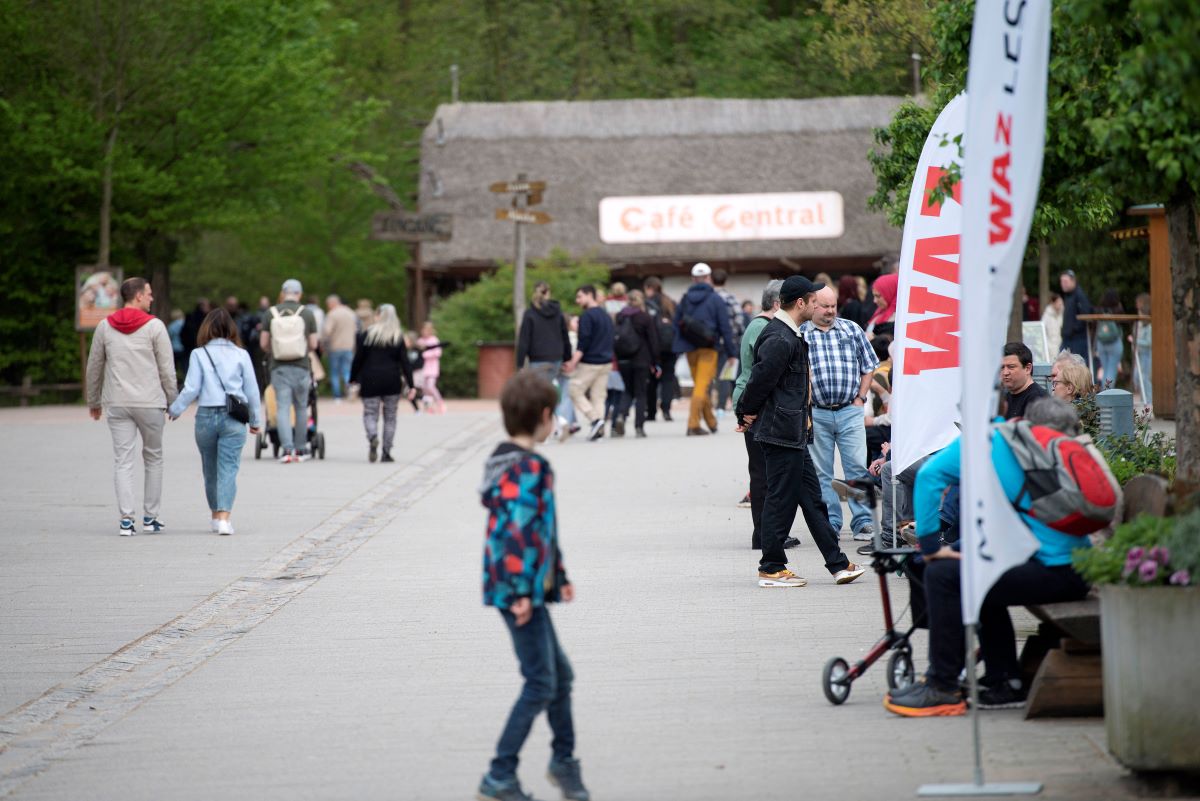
[[235, 407]]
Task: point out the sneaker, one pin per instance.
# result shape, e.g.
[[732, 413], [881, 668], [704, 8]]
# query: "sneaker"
[[618, 428], [925, 701], [287, 458], [387, 457], [564, 774], [152, 525], [373, 450], [1005, 695], [667, 417], [224, 527], [791, 542], [713, 428], [127, 529], [784, 578], [491, 790], [301, 457], [864, 534], [744, 503], [848, 574], [212, 525], [597, 431], [640, 433], [697, 432]]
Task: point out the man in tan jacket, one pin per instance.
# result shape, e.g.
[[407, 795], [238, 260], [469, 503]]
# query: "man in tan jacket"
[[131, 375], [341, 327]]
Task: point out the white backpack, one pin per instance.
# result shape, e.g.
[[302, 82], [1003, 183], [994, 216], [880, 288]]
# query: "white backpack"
[[289, 342]]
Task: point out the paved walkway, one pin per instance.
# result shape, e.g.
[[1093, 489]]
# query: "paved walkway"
[[335, 647]]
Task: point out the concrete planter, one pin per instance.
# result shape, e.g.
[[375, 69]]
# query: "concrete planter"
[[1151, 641], [497, 364]]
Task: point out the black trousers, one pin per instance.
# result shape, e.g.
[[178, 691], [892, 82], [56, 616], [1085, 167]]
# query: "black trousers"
[[661, 389], [1030, 583], [791, 482], [635, 377], [757, 464]]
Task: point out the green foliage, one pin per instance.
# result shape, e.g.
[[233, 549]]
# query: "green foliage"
[[483, 312], [1129, 456], [1147, 551], [1105, 563]]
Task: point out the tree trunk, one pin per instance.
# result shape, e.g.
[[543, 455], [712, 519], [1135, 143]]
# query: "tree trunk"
[[1043, 274], [1017, 315], [1182, 225], [157, 252]]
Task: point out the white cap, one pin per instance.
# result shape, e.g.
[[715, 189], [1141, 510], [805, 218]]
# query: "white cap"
[[700, 270], [292, 287]]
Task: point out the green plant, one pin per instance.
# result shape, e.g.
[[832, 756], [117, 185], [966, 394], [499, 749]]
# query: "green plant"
[[483, 312], [1129, 456], [1146, 551]]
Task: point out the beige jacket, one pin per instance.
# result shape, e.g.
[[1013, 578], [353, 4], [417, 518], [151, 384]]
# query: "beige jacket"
[[341, 326], [134, 370]]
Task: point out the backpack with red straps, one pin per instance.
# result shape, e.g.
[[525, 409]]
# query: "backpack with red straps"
[[1068, 485]]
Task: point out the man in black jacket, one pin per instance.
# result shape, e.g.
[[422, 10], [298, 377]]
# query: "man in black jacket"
[[1075, 303], [776, 404]]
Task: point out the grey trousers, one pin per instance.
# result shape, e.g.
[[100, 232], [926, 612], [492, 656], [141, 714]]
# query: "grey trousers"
[[292, 383], [904, 496], [371, 409], [126, 424]]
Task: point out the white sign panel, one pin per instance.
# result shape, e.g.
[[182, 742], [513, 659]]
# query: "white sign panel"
[[721, 218]]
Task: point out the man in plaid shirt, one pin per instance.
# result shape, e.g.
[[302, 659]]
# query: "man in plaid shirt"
[[843, 363]]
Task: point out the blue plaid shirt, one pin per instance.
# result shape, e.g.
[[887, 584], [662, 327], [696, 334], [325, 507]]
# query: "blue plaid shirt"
[[840, 358]]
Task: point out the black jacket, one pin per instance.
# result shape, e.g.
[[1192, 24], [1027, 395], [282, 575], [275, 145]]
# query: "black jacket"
[[643, 323], [778, 392], [1075, 303], [543, 336], [377, 368]]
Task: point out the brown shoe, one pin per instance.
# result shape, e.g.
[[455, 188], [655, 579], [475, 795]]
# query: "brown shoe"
[[697, 432]]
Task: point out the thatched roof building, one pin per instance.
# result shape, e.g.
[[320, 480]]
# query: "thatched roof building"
[[587, 151]]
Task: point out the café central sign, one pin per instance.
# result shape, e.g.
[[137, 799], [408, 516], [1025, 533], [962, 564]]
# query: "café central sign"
[[721, 218]]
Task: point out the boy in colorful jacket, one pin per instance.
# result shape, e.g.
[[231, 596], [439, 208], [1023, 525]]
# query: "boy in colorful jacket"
[[523, 572]]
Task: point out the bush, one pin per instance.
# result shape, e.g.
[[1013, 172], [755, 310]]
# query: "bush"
[[1146, 551], [1129, 456], [483, 313]]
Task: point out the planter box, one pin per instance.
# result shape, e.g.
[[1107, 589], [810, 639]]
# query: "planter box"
[[1151, 641], [497, 364]]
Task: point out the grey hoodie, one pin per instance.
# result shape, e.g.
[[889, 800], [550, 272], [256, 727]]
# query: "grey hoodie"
[[135, 370]]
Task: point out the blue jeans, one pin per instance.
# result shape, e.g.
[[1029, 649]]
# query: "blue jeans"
[[220, 439], [846, 430], [1109, 354], [548, 678], [339, 370], [292, 384]]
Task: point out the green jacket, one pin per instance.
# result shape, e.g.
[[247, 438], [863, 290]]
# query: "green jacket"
[[747, 354]]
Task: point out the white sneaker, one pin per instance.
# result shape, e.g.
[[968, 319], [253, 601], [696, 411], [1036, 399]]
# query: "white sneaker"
[[287, 458], [849, 574], [212, 525], [597, 430], [864, 534], [301, 457], [224, 527], [127, 529]]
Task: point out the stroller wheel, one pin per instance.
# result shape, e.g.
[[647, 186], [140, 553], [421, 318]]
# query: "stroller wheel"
[[258, 445], [321, 446], [900, 673], [835, 680]]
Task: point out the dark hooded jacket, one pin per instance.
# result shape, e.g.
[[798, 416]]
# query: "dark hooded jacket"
[[704, 305], [543, 336], [644, 327]]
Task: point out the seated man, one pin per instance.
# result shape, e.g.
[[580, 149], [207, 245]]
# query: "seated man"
[[1046, 578], [1016, 374]]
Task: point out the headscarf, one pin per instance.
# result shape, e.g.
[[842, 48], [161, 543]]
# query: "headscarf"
[[847, 290], [886, 286]]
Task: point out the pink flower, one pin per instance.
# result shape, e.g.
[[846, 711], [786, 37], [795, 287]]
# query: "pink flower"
[[1148, 571], [1160, 554], [1181, 578], [1136, 554]]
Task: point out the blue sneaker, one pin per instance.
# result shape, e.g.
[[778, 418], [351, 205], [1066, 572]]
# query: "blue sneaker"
[[491, 790], [565, 775], [127, 529], [152, 525]]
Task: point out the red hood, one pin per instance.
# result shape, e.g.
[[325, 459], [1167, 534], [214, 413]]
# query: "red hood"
[[129, 319]]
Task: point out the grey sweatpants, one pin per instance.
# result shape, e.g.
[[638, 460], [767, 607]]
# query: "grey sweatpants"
[[907, 479], [126, 424]]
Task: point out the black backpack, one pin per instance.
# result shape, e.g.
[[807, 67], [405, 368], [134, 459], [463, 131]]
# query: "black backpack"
[[697, 332], [626, 342]]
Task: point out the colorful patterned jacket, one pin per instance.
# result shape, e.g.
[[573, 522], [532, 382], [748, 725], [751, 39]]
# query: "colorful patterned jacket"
[[521, 556]]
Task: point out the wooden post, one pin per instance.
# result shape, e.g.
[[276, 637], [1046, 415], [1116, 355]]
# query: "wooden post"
[[419, 312], [1162, 313], [1043, 275], [83, 359], [520, 202]]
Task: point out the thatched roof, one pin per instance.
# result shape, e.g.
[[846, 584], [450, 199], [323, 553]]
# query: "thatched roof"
[[586, 151]]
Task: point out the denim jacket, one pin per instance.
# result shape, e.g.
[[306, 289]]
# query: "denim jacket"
[[235, 370]]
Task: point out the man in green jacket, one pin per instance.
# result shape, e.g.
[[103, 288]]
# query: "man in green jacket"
[[758, 469]]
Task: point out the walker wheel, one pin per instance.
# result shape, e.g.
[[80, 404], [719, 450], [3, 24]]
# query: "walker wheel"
[[900, 673], [835, 680]]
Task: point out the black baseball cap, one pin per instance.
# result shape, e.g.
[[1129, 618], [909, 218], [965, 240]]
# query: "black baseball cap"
[[795, 287]]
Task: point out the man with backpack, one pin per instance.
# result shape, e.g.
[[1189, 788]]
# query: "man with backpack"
[[289, 334], [1063, 490], [702, 325], [661, 389]]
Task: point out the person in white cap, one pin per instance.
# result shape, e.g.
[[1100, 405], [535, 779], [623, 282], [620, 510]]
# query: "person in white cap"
[[289, 334], [702, 325]]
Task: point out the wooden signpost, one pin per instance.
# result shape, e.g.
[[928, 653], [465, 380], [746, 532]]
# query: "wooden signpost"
[[525, 193]]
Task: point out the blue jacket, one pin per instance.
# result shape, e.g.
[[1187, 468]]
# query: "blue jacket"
[[705, 305], [944, 469], [235, 370], [595, 336]]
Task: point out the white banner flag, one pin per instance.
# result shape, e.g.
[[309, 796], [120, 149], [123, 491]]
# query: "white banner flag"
[[925, 363], [1003, 146]]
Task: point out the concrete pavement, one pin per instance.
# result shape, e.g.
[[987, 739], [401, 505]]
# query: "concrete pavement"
[[335, 647]]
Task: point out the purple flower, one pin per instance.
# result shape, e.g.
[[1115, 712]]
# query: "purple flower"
[[1136, 554], [1181, 578], [1160, 554], [1148, 571]]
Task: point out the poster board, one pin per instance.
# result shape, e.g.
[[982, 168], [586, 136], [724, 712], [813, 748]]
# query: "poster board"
[[97, 294], [1033, 334]]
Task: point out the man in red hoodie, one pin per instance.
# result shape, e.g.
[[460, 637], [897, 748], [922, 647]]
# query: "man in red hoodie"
[[131, 375]]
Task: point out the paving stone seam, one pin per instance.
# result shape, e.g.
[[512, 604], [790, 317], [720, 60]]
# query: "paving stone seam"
[[34, 735]]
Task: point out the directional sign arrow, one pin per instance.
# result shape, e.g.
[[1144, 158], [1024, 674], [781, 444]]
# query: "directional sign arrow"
[[517, 215], [523, 186]]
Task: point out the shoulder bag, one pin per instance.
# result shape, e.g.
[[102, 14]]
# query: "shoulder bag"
[[235, 407]]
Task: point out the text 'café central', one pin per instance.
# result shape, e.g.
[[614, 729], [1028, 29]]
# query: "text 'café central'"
[[699, 218]]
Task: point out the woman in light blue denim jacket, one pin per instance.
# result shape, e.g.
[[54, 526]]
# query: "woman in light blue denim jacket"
[[219, 366]]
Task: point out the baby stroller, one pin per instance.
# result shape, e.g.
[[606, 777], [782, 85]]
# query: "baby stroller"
[[838, 675], [315, 439]]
